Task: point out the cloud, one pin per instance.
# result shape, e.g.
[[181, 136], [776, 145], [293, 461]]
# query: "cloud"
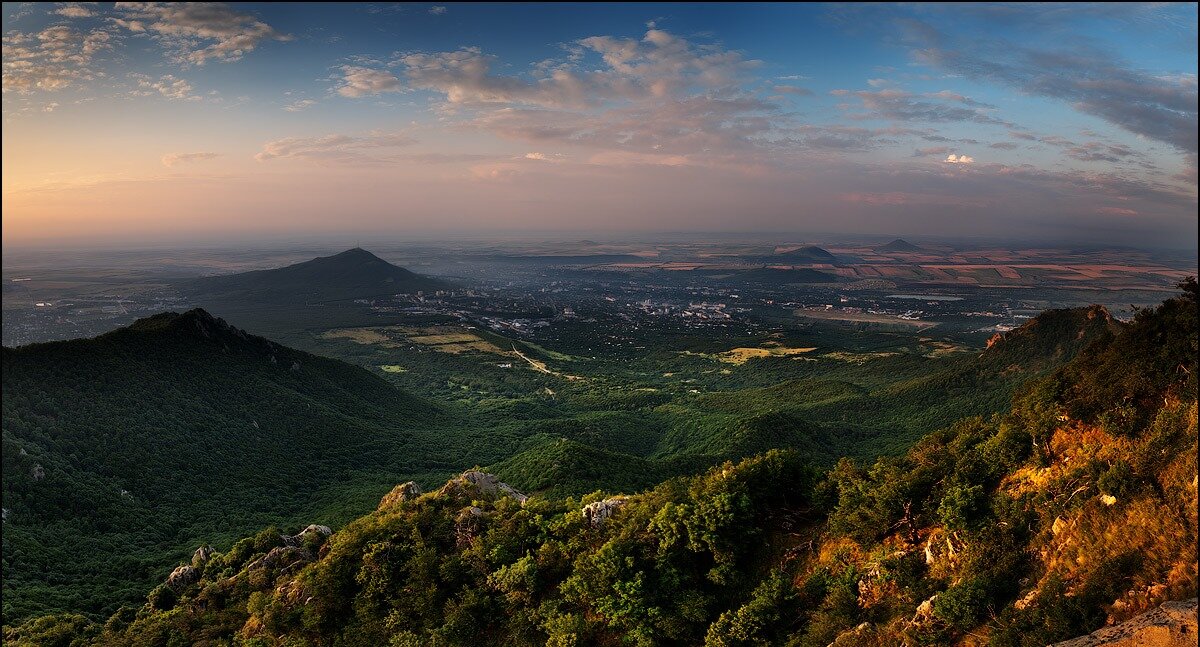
[[437, 10], [1160, 107], [197, 32], [1007, 146], [171, 159], [910, 198], [298, 105], [1117, 211], [544, 157], [74, 10], [167, 86], [959, 159], [833, 137], [335, 149], [700, 127], [660, 97], [1100, 152], [363, 82], [659, 65], [792, 89], [933, 150], [51, 59], [898, 105], [49, 107]]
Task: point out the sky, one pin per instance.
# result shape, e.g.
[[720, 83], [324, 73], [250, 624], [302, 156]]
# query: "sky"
[[173, 122]]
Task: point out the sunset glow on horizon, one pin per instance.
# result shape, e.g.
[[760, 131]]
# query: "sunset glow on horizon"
[[155, 121]]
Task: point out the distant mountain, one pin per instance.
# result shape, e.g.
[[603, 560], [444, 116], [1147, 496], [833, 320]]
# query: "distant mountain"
[[119, 451], [899, 245], [352, 274], [809, 254]]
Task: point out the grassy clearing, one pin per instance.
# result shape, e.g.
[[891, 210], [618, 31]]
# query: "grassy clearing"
[[739, 356], [363, 336]]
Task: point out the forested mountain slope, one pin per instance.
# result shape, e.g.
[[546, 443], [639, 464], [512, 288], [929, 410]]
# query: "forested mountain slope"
[[122, 450], [826, 415], [1076, 507]]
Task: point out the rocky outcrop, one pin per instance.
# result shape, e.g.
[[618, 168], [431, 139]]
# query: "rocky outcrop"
[[201, 556], [474, 484], [301, 537], [598, 512], [857, 636], [182, 577], [38, 473], [287, 558], [1171, 625], [924, 613], [399, 494]]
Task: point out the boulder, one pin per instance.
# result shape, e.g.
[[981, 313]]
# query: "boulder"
[[201, 556], [399, 494], [1171, 625], [474, 484], [299, 538], [924, 612], [281, 557], [182, 577], [859, 635], [598, 512]]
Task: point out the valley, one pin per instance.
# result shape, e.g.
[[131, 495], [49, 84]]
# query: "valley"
[[592, 381]]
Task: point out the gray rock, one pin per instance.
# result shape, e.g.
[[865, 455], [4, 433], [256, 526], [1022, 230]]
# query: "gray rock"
[[481, 485], [1171, 625], [282, 557], [202, 555], [38, 473], [598, 512], [299, 538], [399, 494], [182, 577]]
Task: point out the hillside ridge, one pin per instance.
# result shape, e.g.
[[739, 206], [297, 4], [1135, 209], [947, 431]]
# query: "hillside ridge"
[[1027, 528]]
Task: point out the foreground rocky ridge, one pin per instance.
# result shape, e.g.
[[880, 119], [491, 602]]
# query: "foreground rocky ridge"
[[1171, 625]]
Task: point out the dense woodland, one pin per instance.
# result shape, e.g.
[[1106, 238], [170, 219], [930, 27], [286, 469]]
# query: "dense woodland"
[[121, 451], [1074, 507]]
